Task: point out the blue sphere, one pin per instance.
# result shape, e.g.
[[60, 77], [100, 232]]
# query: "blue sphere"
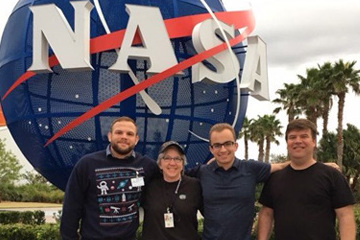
[[39, 107]]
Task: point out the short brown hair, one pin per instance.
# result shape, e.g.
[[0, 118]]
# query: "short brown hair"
[[122, 119], [301, 124], [218, 127]]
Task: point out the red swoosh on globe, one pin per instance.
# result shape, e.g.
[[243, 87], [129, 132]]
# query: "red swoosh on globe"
[[239, 19], [150, 81]]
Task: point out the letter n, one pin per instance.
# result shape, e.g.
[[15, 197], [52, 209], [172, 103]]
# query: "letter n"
[[72, 48]]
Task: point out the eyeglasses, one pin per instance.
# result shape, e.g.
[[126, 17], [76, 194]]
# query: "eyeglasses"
[[218, 146], [176, 159]]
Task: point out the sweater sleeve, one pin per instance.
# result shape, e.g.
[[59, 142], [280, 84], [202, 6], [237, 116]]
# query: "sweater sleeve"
[[73, 203], [193, 172]]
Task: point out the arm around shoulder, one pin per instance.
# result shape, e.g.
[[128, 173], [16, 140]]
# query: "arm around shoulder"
[[265, 223], [193, 172], [333, 165], [278, 166], [347, 226]]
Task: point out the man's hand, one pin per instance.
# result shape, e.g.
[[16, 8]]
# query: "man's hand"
[[210, 161], [333, 165]]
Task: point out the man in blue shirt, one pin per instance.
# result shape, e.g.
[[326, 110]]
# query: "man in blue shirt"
[[228, 186]]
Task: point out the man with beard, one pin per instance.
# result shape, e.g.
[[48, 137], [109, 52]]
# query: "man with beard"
[[104, 188]]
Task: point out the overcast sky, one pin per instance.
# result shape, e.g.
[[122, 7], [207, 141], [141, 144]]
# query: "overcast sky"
[[299, 34]]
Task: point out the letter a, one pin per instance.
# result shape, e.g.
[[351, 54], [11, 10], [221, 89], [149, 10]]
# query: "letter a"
[[156, 44], [255, 77]]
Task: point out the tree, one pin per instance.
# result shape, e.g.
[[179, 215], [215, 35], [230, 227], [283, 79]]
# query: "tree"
[[351, 155], [288, 97], [257, 135], [245, 133], [312, 96], [327, 152], [264, 130], [344, 77], [9, 166], [272, 129], [33, 178], [278, 158], [325, 73]]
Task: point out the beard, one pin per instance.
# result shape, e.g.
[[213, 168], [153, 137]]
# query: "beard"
[[122, 151]]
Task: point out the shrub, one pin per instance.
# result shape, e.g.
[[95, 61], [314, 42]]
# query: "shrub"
[[30, 232], [26, 217], [57, 216], [39, 217], [9, 217], [40, 192], [9, 192]]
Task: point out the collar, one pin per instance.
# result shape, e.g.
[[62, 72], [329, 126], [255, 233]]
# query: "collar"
[[214, 166], [108, 153]]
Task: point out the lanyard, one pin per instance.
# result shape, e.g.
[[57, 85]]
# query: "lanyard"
[[173, 199]]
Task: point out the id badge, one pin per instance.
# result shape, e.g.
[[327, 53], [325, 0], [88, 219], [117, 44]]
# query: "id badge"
[[137, 182], [169, 220]]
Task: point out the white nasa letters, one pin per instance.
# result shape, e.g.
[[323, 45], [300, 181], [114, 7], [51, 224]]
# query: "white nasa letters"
[[227, 66], [255, 76], [156, 43], [72, 47]]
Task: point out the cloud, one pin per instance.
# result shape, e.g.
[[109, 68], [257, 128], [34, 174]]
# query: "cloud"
[[300, 31]]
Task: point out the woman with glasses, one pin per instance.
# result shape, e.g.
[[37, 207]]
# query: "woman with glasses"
[[171, 202]]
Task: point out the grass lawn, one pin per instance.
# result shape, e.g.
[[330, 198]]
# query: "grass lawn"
[[5, 204]]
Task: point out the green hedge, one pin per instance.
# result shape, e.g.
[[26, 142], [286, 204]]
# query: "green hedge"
[[31, 193], [29, 232], [27, 225], [25, 217]]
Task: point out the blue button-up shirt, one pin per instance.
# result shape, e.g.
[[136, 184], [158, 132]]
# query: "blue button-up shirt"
[[229, 198]]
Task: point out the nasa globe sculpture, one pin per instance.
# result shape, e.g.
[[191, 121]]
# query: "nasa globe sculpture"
[[57, 115]]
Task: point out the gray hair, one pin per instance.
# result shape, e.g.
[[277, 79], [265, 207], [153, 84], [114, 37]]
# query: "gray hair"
[[161, 155]]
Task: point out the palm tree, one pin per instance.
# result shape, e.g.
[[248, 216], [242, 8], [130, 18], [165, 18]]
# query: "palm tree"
[[272, 129], [257, 136], [245, 133], [313, 94], [288, 98], [325, 73], [344, 76], [264, 130]]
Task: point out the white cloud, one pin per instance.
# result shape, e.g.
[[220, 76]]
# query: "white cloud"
[[299, 31]]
